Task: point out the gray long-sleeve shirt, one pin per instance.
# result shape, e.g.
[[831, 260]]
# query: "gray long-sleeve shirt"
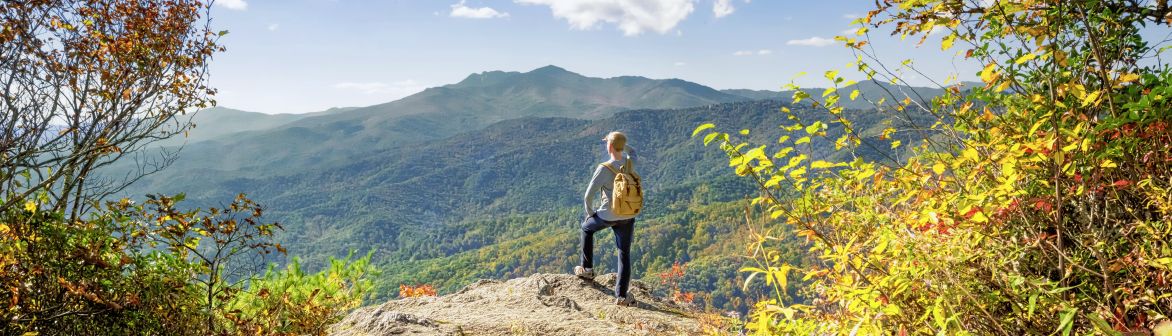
[[603, 181]]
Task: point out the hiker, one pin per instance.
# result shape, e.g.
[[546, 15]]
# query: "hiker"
[[622, 199]]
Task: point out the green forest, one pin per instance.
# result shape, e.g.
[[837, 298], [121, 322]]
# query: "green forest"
[[1037, 201]]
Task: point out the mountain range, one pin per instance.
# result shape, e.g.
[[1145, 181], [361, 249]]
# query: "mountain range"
[[483, 178], [435, 113]]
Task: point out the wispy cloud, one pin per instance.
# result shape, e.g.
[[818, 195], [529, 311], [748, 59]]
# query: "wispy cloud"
[[680, 64], [722, 8], [461, 11], [811, 42], [393, 90], [232, 4], [631, 17], [851, 16], [761, 52], [274, 26]]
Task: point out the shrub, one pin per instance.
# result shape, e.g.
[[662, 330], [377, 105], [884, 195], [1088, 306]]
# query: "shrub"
[[1038, 202]]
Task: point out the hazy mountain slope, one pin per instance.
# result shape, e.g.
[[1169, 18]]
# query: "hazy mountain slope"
[[486, 98], [218, 122], [221, 122], [435, 113], [521, 165], [869, 93], [394, 198]]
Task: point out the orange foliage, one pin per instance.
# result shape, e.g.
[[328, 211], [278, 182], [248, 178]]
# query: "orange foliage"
[[673, 275], [406, 291], [671, 278]]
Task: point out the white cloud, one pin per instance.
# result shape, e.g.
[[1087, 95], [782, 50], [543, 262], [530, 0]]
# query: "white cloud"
[[722, 8], [461, 11], [680, 64], [633, 17], [851, 16], [393, 90], [761, 52], [232, 4], [849, 32], [811, 42], [274, 26]]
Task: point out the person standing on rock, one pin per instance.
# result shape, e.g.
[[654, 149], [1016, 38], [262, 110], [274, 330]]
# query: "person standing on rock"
[[622, 199]]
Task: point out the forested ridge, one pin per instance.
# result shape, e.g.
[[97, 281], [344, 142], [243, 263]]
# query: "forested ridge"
[[502, 201]]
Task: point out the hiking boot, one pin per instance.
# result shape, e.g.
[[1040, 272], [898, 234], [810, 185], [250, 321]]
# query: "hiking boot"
[[584, 273], [625, 301]]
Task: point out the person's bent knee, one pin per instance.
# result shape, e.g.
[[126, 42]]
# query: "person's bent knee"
[[585, 225]]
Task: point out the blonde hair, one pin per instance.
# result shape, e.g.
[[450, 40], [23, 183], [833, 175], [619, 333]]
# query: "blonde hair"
[[617, 140]]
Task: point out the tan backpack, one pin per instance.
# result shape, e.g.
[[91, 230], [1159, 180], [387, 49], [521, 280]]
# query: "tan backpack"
[[627, 196]]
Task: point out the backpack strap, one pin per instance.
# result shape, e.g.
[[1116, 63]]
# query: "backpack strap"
[[612, 170]]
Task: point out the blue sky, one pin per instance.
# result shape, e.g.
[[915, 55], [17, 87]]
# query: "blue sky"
[[293, 56]]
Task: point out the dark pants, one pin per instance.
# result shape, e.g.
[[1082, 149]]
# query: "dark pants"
[[623, 230]]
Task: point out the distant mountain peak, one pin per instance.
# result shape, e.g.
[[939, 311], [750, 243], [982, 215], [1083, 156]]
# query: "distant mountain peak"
[[493, 77], [482, 77], [551, 69]]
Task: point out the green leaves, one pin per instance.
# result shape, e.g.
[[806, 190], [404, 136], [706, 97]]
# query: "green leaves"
[[947, 42], [1090, 98], [832, 75], [711, 136], [778, 275], [939, 168], [939, 316], [1028, 209], [823, 164], [815, 128], [1033, 304], [290, 301], [1025, 58], [702, 128], [1102, 326], [989, 74], [1066, 324]]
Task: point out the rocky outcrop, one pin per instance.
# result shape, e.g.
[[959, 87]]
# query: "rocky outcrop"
[[541, 304]]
